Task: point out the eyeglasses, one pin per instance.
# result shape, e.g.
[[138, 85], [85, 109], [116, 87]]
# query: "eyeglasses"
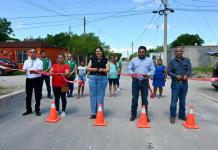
[[32, 52], [60, 57]]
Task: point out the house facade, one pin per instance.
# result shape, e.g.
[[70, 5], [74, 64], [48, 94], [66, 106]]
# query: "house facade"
[[18, 51]]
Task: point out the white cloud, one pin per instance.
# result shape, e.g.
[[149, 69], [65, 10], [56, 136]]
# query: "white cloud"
[[151, 26], [18, 25], [211, 43], [128, 50]]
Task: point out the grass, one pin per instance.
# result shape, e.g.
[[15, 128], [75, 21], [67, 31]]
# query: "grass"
[[3, 91], [203, 69], [16, 73]]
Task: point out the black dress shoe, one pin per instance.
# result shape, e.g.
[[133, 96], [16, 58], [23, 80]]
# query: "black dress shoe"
[[27, 113], [38, 113], [172, 120], [92, 116], [132, 118], [49, 96], [182, 118], [148, 119]]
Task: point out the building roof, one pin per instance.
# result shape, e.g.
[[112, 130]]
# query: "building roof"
[[27, 44]]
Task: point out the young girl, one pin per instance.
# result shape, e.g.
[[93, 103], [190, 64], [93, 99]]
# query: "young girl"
[[112, 76], [81, 77]]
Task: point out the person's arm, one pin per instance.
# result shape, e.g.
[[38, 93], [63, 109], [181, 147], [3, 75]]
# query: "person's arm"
[[171, 73], [51, 70], [106, 70], [74, 70], [89, 67], [24, 70], [130, 68], [189, 70], [165, 73], [151, 69], [120, 67]]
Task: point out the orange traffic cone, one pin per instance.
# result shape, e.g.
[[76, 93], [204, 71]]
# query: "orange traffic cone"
[[100, 121], [143, 120], [190, 122], [53, 116]]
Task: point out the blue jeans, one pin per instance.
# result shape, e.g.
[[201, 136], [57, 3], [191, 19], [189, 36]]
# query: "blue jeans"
[[97, 87], [139, 85], [179, 92]]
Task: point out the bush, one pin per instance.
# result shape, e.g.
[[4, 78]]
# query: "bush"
[[203, 69]]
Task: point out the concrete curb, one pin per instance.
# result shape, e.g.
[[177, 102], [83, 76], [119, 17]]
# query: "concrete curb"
[[11, 94]]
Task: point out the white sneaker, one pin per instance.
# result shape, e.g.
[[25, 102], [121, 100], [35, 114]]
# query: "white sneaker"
[[63, 114], [118, 90]]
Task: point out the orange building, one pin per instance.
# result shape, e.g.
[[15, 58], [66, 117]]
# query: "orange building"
[[18, 51]]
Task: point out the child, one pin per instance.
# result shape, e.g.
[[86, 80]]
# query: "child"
[[81, 77], [113, 76]]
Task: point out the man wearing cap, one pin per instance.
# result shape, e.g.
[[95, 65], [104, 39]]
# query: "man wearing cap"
[[32, 68], [46, 67], [140, 68]]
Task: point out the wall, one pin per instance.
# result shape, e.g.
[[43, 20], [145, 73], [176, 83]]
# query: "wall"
[[198, 55]]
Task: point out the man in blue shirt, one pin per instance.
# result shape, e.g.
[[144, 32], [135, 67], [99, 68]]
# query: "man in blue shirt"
[[141, 68], [179, 70]]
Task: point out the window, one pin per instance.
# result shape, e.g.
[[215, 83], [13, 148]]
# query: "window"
[[22, 56]]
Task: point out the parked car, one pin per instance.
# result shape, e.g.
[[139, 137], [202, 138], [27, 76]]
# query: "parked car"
[[215, 75], [215, 71], [7, 63]]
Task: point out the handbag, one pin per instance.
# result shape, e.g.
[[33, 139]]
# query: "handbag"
[[64, 89]]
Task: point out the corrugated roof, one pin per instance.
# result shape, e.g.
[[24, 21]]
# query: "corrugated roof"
[[27, 44]]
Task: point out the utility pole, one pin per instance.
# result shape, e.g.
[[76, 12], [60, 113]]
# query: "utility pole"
[[165, 13], [84, 25], [132, 48], [69, 39], [165, 32]]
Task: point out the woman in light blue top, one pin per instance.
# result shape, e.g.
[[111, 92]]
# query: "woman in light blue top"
[[113, 76]]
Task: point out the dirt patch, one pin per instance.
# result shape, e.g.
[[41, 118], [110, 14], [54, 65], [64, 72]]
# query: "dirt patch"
[[201, 74]]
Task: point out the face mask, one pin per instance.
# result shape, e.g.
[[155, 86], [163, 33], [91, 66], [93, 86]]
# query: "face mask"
[[141, 57]]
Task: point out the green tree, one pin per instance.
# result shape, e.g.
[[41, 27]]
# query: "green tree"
[[187, 39], [5, 29], [156, 49], [81, 45]]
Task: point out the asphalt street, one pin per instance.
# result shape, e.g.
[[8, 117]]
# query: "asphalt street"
[[76, 131]]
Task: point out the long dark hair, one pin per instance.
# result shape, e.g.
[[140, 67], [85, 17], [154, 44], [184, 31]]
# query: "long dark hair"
[[103, 55], [115, 62]]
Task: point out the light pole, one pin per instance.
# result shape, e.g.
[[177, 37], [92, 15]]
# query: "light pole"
[[165, 13]]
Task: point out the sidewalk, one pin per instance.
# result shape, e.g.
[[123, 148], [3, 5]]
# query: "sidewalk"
[[11, 84]]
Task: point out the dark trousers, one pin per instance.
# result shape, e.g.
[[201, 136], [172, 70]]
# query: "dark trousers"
[[118, 80], [36, 85], [57, 93], [71, 85], [179, 92], [47, 82], [137, 86]]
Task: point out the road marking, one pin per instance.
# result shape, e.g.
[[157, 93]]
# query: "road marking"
[[11, 94], [204, 95]]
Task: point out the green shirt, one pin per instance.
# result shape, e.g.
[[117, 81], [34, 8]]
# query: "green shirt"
[[46, 64], [72, 65]]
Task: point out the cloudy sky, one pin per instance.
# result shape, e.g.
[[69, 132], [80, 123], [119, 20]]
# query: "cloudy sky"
[[117, 22]]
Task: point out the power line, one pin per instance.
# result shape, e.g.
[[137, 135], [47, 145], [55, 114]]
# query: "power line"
[[145, 30], [75, 14], [104, 18]]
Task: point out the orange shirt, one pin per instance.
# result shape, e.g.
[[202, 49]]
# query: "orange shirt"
[[57, 80]]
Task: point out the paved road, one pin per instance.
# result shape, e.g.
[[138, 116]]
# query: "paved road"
[[76, 131]]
